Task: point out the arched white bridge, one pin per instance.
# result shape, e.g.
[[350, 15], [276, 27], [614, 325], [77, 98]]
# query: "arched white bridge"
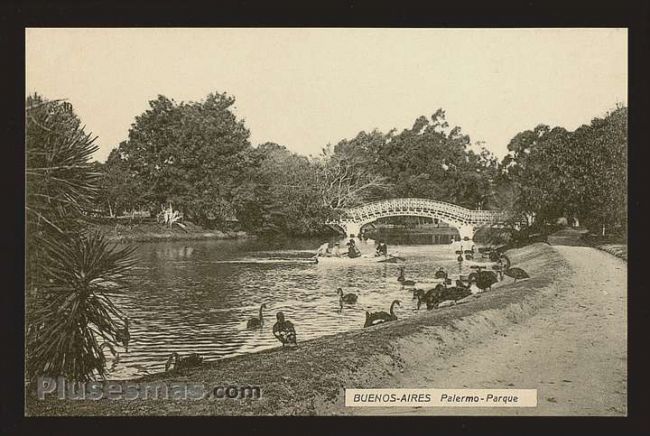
[[467, 221]]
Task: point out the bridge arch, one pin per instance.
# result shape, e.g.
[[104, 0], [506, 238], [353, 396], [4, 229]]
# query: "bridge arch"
[[467, 221]]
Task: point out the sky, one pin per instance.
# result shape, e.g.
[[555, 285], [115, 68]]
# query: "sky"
[[305, 88]]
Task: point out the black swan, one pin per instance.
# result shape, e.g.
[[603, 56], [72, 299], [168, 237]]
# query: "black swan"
[[403, 280], [284, 330], [380, 317], [516, 273], [498, 269], [178, 362], [430, 298], [440, 273], [485, 279], [504, 261], [417, 294], [455, 293], [346, 298], [440, 293], [256, 322]]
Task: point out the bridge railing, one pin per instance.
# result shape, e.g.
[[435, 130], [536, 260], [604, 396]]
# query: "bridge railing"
[[380, 208]]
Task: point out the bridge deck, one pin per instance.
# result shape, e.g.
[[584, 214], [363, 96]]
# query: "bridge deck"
[[419, 207]]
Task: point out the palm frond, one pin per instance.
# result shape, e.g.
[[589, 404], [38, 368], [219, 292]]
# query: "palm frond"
[[74, 311]]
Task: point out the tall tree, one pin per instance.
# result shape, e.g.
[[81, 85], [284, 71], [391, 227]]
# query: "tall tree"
[[601, 171], [345, 179], [190, 154], [288, 193], [582, 174], [119, 190], [429, 160]]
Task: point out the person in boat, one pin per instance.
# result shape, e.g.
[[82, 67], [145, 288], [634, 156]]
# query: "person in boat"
[[336, 251], [362, 235], [353, 251], [382, 249], [323, 250]]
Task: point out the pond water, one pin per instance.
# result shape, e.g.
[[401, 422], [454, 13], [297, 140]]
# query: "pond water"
[[196, 296]]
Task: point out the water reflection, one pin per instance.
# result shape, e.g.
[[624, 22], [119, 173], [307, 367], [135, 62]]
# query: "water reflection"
[[197, 296]]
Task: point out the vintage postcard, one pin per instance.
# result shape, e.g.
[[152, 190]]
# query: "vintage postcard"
[[326, 221]]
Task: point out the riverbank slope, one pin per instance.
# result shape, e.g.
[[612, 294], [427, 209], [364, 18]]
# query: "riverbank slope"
[[311, 378], [573, 351]]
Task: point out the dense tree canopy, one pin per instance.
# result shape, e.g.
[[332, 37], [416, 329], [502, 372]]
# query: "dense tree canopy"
[[192, 155], [197, 156], [429, 160], [580, 174]]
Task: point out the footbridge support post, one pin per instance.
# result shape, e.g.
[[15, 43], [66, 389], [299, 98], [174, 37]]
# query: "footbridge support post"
[[351, 229], [466, 231]]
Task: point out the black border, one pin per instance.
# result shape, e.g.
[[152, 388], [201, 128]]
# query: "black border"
[[17, 15]]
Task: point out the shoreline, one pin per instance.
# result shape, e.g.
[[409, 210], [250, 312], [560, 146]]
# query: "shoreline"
[[617, 250], [615, 246], [310, 379], [155, 232], [193, 236]]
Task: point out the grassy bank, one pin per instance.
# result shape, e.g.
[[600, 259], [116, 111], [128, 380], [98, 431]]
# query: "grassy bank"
[[618, 250], [614, 245], [144, 232], [311, 378]]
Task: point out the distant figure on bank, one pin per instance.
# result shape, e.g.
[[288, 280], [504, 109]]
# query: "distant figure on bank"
[[284, 330]]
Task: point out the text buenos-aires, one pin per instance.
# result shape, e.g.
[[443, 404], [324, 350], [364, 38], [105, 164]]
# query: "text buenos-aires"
[[392, 398]]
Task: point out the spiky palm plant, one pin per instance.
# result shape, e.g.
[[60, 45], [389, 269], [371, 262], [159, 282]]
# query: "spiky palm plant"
[[60, 184], [74, 314], [67, 269]]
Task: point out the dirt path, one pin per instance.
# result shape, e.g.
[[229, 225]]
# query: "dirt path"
[[574, 351]]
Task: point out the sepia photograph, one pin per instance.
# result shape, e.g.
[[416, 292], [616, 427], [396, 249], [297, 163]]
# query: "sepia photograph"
[[308, 221]]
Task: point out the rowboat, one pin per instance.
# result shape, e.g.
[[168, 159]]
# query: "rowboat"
[[343, 260]]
